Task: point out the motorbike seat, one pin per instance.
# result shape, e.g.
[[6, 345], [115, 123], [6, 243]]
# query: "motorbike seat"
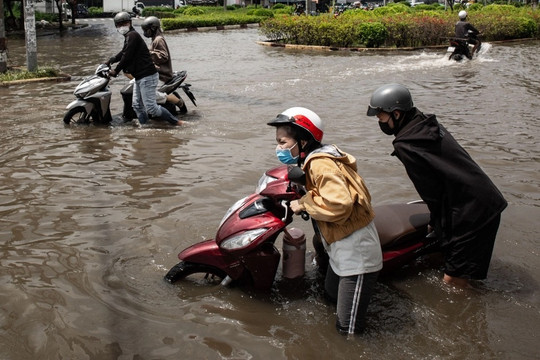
[[398, 223]]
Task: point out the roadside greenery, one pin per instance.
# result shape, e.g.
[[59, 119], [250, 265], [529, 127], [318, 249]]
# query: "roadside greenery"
[[399, 25], [396, 25], [14, 74], [202, 16]]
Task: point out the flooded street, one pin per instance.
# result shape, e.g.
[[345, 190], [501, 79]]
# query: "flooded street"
[[93, 217]]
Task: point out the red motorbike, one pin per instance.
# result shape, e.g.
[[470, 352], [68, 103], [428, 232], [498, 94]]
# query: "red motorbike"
[[243, 250]]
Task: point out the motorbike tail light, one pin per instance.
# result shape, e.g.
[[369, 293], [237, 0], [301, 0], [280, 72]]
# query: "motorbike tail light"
[[242, 240]]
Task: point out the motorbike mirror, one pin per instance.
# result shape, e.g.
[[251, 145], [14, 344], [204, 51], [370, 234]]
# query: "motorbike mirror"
[[296, 174]]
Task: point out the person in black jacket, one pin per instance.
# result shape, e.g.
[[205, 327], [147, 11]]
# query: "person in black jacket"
[[135, 59], [464, 203], [466, 32]]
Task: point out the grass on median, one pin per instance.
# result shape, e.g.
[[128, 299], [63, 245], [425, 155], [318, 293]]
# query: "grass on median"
[[14, 74]]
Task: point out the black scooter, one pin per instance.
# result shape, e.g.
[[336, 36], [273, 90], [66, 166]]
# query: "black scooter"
[[461, 48], [170, 87]]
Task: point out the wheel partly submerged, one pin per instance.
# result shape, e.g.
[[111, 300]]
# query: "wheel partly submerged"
[[199, 273], [76, 116]]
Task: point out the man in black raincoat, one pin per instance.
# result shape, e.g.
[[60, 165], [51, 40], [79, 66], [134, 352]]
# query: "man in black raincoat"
[[464, 203]]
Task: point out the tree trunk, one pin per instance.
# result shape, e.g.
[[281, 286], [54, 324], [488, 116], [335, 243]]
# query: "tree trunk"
[[60, 15], [3, 46], [30, 32]]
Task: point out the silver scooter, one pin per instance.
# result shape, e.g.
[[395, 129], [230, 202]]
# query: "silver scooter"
[[93, 99]]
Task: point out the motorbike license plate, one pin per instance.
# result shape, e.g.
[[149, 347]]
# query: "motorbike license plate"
[[451, 49]]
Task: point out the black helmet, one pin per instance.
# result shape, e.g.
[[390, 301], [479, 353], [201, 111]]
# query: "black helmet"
[[150, 25], [121, 18], [388, 98]]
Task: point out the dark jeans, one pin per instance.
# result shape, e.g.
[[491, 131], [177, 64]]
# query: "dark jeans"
[[352, 295]]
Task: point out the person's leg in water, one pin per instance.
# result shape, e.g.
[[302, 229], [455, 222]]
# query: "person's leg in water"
[[148, 87], [470, 257], [173, 99], [352, 295], [138, 105], [476, 46]]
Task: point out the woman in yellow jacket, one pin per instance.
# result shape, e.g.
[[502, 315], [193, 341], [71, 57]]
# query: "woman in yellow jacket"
[[340, 203]]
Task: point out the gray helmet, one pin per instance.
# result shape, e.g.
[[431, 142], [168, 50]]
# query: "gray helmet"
[[388, 98], [150, 25], [121, 18]]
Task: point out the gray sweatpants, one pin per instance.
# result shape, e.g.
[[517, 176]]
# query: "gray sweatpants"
[[352, 295]]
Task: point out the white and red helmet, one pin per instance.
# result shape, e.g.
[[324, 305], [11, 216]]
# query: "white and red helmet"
[[302, 117]]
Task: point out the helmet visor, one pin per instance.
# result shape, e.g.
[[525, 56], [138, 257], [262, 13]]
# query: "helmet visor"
[[281, 119], [372, 111]]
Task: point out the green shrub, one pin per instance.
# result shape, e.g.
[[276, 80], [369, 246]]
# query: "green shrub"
[[286, 11], [95, 11], [475, 7], [186, 22], [398, 25], [397, 8], [263, 12], [194, 11], [435, 6], [46, 16], [372, 34]]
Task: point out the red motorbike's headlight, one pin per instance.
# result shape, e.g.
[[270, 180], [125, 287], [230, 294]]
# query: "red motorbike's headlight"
[[242, 240]]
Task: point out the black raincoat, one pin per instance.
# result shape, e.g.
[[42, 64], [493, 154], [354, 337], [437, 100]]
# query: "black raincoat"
[[460, 196]]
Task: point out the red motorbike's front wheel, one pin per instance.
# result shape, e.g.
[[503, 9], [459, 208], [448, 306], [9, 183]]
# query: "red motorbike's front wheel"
[[196, 272]]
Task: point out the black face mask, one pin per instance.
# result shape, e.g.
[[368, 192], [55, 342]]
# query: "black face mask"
[[386, 128]]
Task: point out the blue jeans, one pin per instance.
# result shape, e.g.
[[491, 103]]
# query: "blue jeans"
[[144, 100]]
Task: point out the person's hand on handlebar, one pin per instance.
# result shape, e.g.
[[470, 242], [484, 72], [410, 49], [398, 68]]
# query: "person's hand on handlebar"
[[295, 207]]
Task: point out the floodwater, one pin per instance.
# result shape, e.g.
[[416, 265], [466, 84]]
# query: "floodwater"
[[93, 217]]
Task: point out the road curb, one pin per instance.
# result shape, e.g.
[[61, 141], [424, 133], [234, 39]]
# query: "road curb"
[[359, 49], [213, 28], [62, 77]]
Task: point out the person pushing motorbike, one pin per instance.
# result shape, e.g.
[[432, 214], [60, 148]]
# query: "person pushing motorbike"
[[464, 203], [466, 32], [339, 202], [135, 59], [161, 56]]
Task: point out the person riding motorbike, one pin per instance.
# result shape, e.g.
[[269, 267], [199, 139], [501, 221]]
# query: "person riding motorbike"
[[467, 33], [161, 56], [340, 203], [135, 59]]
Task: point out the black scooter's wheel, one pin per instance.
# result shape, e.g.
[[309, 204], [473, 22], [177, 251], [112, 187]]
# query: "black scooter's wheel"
[[77, 115], [183, 269]]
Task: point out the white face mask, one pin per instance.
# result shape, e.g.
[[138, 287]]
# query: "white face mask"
[[123, 29]]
